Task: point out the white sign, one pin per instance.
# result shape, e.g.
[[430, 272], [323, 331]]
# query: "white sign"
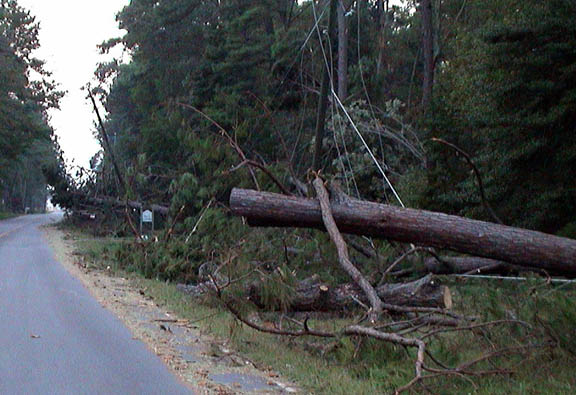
[[147, 216]]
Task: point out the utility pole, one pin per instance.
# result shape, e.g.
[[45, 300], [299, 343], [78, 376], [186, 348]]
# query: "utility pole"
[[108, 147]]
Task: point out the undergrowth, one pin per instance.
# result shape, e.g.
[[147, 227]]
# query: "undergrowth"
[[541, 359]]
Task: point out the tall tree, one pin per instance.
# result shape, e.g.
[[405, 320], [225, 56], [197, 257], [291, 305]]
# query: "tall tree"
[[508, 98], [383, 21], [26, 92], [324, 89], [426, 13], [342, 51]]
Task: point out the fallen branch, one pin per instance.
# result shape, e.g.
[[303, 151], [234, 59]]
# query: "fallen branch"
[[195, 228], [174, 221], [312, 294], [265, 170], [362, 331], [344, 258], [476, 173], [399, 260], [476, 326], [467, 265]]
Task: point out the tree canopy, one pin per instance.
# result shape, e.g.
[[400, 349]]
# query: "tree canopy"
[[27, 91], [216, 91]]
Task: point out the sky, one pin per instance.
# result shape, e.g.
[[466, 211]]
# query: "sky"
[[70, 30]]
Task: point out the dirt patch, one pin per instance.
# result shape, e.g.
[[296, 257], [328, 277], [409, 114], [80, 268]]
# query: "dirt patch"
[[203, 363]]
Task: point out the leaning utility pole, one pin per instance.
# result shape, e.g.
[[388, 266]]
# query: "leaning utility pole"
[[107, 147]]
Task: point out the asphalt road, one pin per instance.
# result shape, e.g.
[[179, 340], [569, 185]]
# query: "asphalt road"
[[54, 337]]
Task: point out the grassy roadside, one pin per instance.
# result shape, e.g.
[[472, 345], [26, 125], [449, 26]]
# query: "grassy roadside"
[[4, 215], [355, 366]]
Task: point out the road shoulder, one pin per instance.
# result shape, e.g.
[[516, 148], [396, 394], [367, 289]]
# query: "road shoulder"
[[200, 361]]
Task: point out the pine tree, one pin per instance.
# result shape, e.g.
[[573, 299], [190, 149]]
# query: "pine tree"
[[511, 101]]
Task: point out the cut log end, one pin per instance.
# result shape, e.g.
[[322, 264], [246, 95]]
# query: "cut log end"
[[313, 295], [447, 297]]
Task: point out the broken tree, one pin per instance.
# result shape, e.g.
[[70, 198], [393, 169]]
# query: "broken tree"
[[513, 245], [312, 294]]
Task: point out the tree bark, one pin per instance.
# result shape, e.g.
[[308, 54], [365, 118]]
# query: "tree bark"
[[342, 248], [382, 34], [476, 265], [342, 52], [513, 245], [428, 51], [313, 294], [468, 265]]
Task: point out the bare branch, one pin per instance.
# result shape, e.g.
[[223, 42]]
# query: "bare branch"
[[398, 261], [266, 171], [224, 133], [344, 258], [472, 327], [476, 173]]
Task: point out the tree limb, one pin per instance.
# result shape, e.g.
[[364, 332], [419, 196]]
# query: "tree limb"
[[344, 258], [485, 202]]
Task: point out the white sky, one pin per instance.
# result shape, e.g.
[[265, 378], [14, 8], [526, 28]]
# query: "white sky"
[[69, 33]]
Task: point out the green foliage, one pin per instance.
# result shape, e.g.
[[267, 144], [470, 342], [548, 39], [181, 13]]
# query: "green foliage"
[[26, 92], [508, 98], [352, 365], [246, 67], [211, 84], [4, 216], [389, 137]]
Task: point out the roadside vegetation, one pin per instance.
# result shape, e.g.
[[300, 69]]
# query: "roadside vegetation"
[[535, 358], [461, 107], [4, 215], [28, 146]]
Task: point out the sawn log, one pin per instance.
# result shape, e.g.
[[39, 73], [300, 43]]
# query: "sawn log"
[[469, 265], [314, 295], [513, 245]]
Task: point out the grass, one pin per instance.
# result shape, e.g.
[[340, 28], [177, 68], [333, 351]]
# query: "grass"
[[5, 215], [266, 351], [355, 366]]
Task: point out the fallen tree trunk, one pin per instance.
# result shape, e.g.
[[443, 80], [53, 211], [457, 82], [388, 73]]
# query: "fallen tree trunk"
[[513, 245], [314, 295], [119, 204], [468, 265], [474, 265]]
